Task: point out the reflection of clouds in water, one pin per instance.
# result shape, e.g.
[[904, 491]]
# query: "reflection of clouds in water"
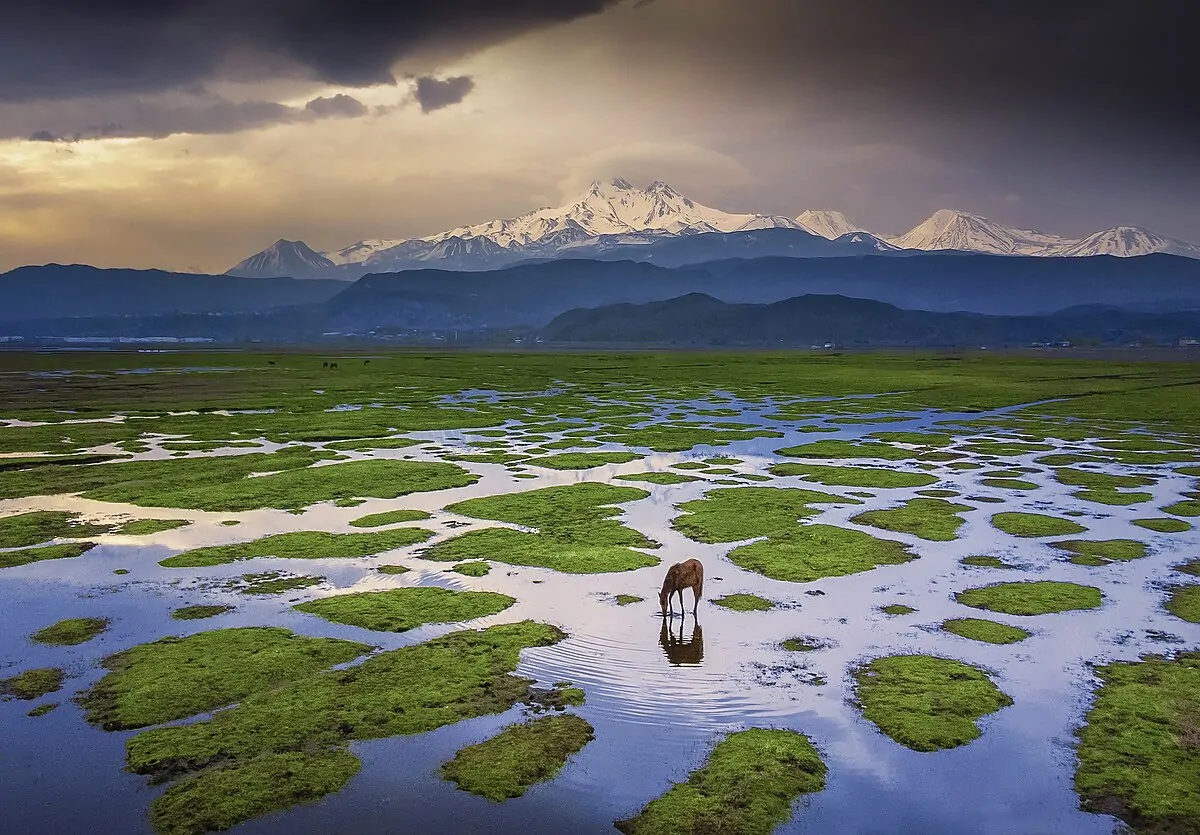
[[654, 707]]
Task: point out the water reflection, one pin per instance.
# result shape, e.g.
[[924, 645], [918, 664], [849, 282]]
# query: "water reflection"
[[678, 651]]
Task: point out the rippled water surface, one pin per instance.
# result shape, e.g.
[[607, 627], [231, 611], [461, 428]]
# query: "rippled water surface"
[[658, 694]]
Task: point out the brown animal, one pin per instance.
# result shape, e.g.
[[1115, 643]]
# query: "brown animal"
[[682, 575]]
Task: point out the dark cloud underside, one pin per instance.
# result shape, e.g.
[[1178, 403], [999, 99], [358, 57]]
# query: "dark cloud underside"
[[161, 116], [1127, 68], [434, 94], [64, 49]]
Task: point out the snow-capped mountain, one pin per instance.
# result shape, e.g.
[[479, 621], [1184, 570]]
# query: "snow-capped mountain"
[[360, 251], [952, 229], [614, 208], [827, 224], [615, 219], [1126, 241], [283, 258]]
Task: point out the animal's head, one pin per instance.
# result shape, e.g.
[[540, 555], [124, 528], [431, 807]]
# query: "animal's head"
[[663, 597]]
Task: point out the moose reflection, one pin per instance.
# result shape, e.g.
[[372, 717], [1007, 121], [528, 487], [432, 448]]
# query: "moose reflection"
[[679, 651]]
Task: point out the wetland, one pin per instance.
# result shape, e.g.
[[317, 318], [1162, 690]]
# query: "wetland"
[[419, 592]]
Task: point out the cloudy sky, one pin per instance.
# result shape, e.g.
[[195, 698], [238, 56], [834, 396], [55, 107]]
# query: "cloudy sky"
[[187, 134]]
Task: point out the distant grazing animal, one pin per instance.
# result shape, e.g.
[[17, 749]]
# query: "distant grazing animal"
[[333, 365], [325, 365], [270, 362], [682, 575], [679, 651]]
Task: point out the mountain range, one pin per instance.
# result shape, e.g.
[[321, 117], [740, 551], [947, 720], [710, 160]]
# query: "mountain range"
[[617, 221], [81, 302], [813, 320]]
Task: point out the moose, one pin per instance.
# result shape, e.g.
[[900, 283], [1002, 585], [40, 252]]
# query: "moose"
[[682, 575]]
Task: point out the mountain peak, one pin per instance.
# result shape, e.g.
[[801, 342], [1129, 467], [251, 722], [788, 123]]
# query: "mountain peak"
[[826, 223], [661, 188], [283, 258]]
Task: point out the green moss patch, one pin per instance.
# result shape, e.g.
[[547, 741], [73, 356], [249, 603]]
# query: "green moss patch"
[[1184, 508], [392, 569], [927, 703], [284, 480], [301, 545], [369, 444], [583, 460], [287, 743], [813, 552], [42, 710], [399, 610], [575, 531], [221, 797], [472, 568], [273, 582], [853, 476], [1003, 449], [1035, 524], [32, 684], [1101, 552], [518, 757], [747, 786], [847, 449], [985, 562], [200, 612], [929, 439], [1117, 498], [744, 603], [749, 512], [627, 599], [690, 465], [70, 632], [1163, 525], [897, 609], [173, 678], [488, 458], [680, 438], [1099, 481], [39, 526], [1184, 602], [659, 478], [938, 493], [389, 517], [1138, 755], [1031, 597], [936, 520], [988, 631], [70, 550], [146, 527], [1008, 484], [802, 644]]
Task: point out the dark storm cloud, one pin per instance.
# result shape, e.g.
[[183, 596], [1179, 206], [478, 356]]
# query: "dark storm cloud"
[[434, 94], [339, 105], [61, 49], [1129, 68], [158, 117]]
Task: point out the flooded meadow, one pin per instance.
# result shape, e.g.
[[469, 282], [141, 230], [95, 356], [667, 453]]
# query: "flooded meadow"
[[422, 594]]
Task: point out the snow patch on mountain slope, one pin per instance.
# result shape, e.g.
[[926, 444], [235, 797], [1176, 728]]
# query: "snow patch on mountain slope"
[[827, 224], [1125, 242]]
